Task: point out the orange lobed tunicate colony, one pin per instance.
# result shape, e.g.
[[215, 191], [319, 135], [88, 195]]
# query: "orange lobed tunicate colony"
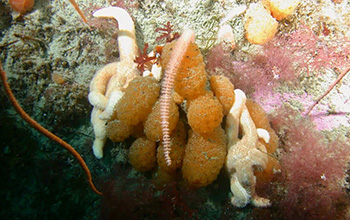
[[198, 140]]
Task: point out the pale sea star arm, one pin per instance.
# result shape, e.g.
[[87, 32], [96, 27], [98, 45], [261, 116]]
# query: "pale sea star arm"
[[126, 35], [126, 68], [98, 86], [244, 153], [108, 84], [232, 119], [241, 197], [100, 133]]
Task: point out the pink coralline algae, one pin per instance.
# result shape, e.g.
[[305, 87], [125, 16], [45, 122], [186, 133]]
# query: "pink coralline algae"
[[320, 116]]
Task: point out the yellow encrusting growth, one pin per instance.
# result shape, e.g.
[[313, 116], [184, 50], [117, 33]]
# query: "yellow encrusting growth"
[[261, 18], [259, 25], [281, 9]]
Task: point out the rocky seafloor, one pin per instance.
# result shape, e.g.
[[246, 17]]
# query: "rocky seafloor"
[[50, 56]]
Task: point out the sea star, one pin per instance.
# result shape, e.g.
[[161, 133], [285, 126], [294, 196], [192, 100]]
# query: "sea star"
[[108, 84], [244, 154]]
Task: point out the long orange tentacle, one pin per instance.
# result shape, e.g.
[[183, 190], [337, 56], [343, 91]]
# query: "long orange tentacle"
[[44, 131], [76, 7]]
